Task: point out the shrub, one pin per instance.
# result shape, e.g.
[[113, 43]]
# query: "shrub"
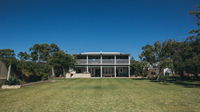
[[12, 81], [45, 76]]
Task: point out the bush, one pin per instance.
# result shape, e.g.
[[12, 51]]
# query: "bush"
[[163, 78], [32, 71], [13, 81], [45, 76]]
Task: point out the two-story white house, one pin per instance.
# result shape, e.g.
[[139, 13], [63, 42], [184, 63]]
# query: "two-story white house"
[[103, 64]]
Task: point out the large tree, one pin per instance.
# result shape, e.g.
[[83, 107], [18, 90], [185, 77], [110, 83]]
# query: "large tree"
[[24, 56], [181, 57], [62, 61], [41, 52], [158, 56], [138, 68], [8, 55]]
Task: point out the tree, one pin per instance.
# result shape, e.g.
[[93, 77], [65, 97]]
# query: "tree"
[[138, 68], [61, 60], [29, 71], [53, 48], [197, 15], [24, 56], [180, 57], [158, 56], [8, 55], [148, 54], [41, 52], [194, 44]]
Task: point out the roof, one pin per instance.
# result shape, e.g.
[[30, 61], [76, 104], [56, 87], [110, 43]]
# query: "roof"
[[104, 53]]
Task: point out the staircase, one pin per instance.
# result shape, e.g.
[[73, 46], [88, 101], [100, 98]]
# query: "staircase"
[[78, 75]]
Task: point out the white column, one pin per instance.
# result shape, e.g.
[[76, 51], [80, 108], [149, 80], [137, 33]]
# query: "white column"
[[101, 59], [115, 60], [87, 59], [101, 70], [87, 64], [87, 69], [129, 71], [115, 71], [129, 62]]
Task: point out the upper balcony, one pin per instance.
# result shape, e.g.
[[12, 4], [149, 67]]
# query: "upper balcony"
[[102, 60]]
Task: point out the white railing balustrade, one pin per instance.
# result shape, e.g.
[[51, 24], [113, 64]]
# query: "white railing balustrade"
[[104, 61], [122, 61], [94, 61], [108, 61], [81, 61]]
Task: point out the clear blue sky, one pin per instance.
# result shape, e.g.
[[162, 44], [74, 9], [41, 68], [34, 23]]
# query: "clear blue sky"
[[94, 25]]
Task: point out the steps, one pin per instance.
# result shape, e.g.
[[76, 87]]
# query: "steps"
[[78, 75]]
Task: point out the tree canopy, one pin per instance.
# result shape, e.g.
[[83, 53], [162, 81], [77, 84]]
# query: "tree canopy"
[[180, 56]]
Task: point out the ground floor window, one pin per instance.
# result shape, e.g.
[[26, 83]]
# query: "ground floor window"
[[95, 71], [80, 70], [108, 71], [122, 72]]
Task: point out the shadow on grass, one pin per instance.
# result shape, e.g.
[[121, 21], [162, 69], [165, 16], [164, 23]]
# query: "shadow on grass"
[[139, 79], [187, 84]]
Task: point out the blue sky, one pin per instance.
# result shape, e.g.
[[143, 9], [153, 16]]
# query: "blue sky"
[[94, 25]]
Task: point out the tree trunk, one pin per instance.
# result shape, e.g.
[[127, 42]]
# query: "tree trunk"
[[158, 78], [9, 69], [53, 72], [159, 74], [63, 71]]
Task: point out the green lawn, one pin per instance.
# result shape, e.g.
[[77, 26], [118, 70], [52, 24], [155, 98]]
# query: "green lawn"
[[102, 95]]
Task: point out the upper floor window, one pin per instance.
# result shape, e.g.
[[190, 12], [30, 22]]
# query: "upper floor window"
[[81, 57], [107, 57], [93, 57], [122, 57]]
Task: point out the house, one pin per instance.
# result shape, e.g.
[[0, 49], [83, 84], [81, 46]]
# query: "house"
[[103, 64]]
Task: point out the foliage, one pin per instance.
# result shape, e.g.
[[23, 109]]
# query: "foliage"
[[24, 56], [12, 81], [31, 71], [7, 53], [181, 57], [37, 65], [61, 60], [41, 52], [138, 68]]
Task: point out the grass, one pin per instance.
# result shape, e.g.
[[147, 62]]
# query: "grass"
[[102, 95]]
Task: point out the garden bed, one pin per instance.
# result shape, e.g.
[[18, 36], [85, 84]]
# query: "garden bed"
[[10, 86]]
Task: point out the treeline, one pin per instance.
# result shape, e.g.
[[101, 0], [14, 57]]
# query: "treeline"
[[182, 57], [41, 62]]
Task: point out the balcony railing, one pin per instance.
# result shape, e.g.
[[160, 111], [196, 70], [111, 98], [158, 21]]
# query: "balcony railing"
[[81, 61], [104, 62], [108, 61], [94, 61], [122, 61]]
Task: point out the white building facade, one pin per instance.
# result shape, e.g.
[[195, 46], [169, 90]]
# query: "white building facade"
[[103, 64]]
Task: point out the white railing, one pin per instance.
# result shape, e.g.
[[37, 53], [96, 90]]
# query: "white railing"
[[108, 61], [104, 61], [94, 61], [81, 61], [122, 61]]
